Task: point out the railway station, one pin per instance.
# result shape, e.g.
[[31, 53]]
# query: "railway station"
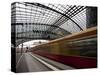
[[51, 37]]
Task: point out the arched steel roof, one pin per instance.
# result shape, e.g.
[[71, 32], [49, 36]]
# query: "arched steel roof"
[[45, 21]]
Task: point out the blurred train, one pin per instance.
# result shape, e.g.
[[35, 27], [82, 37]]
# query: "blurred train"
[[78, 50]]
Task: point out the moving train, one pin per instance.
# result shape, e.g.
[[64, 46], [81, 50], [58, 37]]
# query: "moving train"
[[78, 50]]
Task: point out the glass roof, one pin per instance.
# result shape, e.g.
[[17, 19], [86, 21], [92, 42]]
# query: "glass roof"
[[46, 21]]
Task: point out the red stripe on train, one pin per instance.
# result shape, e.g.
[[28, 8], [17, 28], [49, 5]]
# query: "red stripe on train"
[[77, 62]]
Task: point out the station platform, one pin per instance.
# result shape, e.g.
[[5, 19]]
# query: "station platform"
[[29, 62]]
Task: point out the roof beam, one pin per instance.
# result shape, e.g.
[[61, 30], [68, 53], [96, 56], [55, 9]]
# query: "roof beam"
[[46, 7], [53, 26], [37, 31], [32, 38]]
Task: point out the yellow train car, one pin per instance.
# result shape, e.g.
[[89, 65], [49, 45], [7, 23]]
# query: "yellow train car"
[[78, 50]]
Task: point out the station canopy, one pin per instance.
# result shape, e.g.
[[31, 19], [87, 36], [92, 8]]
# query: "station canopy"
[[45, 21]]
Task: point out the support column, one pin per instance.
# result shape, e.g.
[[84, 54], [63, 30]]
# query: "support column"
[[91, 16]]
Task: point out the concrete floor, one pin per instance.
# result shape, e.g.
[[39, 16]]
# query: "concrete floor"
[[29, 62]]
